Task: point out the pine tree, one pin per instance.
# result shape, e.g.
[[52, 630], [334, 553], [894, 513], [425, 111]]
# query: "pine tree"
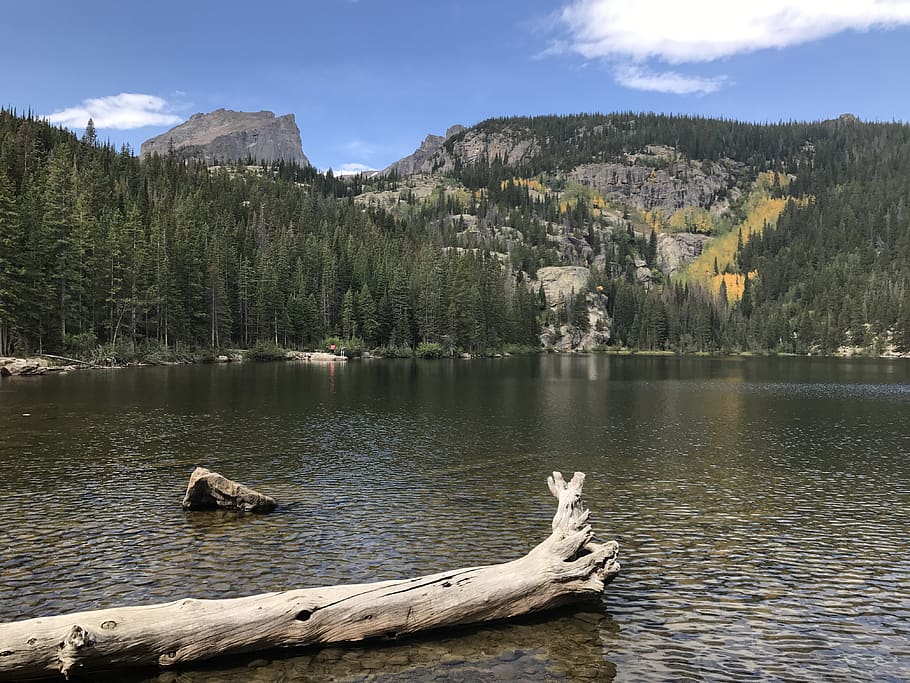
[[366, 311], [580, 319], [90, 137], [11, 272], [401, 310], [312, 321], [58, 235], [746, 304], [348, 316]]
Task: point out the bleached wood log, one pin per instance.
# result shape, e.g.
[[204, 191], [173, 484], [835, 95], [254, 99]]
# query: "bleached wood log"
[[567, 567], [64, 358]]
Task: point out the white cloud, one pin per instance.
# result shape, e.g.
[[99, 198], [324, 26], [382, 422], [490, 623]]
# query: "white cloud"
[[640, 78], [680, 31], [122, 112], [556, 48], [361, 147], [353, 169]]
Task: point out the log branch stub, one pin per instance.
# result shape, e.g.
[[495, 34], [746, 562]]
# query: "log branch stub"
[[71, 649], [569, 512], [565, 568]]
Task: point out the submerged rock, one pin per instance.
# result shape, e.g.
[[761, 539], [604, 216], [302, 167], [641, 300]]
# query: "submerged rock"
[[209, 490]]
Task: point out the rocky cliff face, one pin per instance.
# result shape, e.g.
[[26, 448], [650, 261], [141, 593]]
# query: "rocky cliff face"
[[225, 135], [511, 145], [654, 178], [675, 251], [413, 163], [681, 184], [439, 154], [561, 284]]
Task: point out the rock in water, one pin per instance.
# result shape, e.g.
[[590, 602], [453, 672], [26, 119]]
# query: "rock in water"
[[226, 135], [568, 566], [209, 490]]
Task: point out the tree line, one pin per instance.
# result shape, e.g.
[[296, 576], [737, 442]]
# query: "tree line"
[[102, 250], [98, 248]]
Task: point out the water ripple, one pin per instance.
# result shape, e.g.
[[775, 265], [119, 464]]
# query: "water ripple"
[[763, 522]]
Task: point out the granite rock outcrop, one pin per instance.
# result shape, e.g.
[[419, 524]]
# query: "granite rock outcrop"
[[225, 135]]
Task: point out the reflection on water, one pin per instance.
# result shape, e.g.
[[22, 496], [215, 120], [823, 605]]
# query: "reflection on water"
[[761, 505], [569, 651]]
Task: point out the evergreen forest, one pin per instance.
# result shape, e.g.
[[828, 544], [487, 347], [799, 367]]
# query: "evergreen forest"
[[104, 255]]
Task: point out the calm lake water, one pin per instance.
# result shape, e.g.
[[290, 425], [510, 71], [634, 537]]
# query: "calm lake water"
[[762, 506]]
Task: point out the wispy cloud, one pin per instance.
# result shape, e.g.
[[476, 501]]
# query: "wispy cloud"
[[640, 78], [361, 147], [121, 112], [698, 31], [554, 49]]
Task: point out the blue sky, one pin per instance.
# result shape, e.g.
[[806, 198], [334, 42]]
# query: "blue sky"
[[368, 79]]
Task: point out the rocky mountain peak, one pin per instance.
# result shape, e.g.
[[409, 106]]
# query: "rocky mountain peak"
[[414, 162], [225, 135], [440, 153]]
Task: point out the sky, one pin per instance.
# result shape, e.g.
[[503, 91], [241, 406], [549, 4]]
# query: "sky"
[[368, 79]]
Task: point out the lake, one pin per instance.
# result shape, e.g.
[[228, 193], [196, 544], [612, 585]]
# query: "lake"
[[762, 506]]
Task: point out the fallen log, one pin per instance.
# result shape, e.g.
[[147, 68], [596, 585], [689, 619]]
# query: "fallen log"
[[68, 360], [568, 566]]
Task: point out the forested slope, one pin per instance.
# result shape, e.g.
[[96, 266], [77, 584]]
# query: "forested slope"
[[100, 248], [832, 272], [697, 235]]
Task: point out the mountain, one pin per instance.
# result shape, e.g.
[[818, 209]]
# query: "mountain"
[[415, 163], [796, 236], [225, 135], [592, 231]]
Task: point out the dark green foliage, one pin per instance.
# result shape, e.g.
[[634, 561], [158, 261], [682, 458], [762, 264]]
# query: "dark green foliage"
[[102, 254], [265, 351], [429, 350], [11, 266], [579, 313], [567, 141], [834, 271], [160, 253]]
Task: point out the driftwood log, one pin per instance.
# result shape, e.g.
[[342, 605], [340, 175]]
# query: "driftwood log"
[[568, 566], [209, 490]]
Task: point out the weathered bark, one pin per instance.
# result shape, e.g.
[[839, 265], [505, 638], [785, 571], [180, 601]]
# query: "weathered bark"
[[209, 490], [566, 567]]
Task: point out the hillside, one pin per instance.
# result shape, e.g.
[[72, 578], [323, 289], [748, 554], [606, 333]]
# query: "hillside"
[[592, 231], [663, 203], [416, 161]]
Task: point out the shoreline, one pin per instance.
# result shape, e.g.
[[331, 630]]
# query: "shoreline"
[[40, 365]]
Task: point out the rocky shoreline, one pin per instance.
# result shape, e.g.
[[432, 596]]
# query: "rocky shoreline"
[[27, 367], [36, 366]]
